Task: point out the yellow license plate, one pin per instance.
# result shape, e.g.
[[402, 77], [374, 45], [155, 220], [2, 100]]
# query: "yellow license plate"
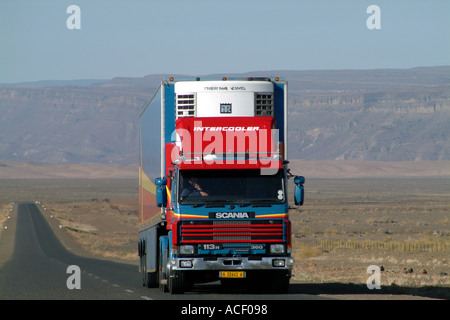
[[232, 274]]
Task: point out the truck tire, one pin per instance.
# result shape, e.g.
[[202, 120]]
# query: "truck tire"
[[162, 271], [280, 282], [145, 278], [176, 282], [149, 279], [143, 262]]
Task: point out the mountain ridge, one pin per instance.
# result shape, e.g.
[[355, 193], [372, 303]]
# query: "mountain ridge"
[[371, 115]]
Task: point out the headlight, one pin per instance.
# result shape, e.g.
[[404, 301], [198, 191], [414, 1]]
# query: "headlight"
[[187, 249], [277, 248]]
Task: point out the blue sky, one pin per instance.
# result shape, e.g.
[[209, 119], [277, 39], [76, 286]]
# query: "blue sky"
[[134, 38]]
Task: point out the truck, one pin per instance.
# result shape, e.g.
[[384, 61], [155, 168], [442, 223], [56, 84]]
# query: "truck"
[[213, 185]]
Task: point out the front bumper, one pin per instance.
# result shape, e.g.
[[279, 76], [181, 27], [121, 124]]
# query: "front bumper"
[[232, 263]]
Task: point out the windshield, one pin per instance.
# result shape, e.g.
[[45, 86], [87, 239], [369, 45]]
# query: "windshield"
[[243, 187]]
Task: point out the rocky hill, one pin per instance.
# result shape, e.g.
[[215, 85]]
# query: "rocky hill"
[[382, 115]]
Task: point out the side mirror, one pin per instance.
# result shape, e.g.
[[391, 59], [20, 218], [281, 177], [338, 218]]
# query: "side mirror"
[[161, 194], [299, 180], [299, 192]]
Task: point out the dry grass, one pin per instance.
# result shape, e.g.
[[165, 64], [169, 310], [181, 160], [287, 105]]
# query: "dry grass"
[[348, 224], [4, 212], [304, 251], [423, 245], [105, 228]]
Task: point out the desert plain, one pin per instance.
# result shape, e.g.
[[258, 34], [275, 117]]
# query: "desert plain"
[[392, 215]]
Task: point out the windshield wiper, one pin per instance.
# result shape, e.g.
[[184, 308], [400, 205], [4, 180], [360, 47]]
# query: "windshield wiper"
[[216, 203], [263, 202], [194, 204]]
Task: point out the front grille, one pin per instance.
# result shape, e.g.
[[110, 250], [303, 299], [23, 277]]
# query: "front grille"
[[232, 232], [232, 227]]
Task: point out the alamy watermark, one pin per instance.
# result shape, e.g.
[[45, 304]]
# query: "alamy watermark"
[[374, 280], [373, 22], [227, 144], [74, 280], [73, 22]]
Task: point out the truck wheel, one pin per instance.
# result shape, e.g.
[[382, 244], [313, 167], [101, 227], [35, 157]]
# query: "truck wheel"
[[176, 282], [280, 282], [143, 262], [145, 278], [149, 279], [162, 274]]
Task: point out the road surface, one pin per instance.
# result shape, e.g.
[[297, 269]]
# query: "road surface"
[[38, 269]]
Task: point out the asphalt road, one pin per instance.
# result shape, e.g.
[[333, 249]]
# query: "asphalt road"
[[38, 269]]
